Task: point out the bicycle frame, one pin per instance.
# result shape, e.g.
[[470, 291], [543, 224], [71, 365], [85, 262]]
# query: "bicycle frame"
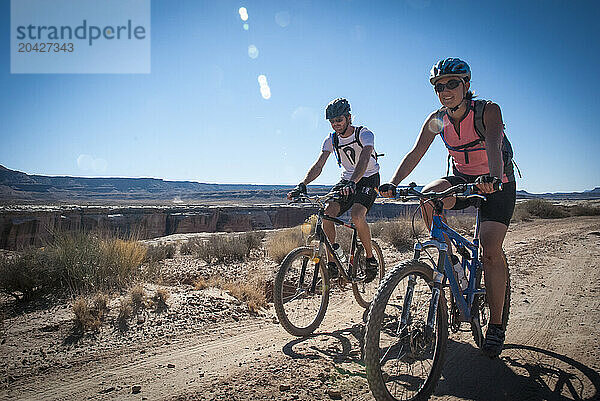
[[322, 237], [444, 270]]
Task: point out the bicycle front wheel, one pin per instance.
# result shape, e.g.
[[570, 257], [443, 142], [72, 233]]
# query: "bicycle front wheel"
[[364, 292], [403, 357], [301, 291]]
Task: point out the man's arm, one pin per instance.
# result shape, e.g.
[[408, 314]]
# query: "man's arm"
[[316, 168], [412, 158], [363, 163]]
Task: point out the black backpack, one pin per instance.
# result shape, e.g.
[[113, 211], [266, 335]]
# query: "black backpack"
[[507, 151], [335, 140]]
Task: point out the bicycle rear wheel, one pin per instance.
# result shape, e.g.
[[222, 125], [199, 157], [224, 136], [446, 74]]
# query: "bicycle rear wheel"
[[364, 292], [481, 307], [301, 291], [403, 359]]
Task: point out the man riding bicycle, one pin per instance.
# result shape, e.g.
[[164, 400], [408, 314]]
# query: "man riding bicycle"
[[473, 132], [354, 148]]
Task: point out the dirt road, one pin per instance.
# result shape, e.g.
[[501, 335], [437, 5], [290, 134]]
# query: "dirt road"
[[552, 351]]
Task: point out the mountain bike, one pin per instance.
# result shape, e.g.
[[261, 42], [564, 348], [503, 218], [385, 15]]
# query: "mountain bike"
[[407, 326], [302, 285]]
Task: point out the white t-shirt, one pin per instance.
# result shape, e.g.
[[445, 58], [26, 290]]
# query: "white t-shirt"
[[350, 151]]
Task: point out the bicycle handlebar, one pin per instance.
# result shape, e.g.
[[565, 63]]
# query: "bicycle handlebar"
[[461, 191], [316, 199]]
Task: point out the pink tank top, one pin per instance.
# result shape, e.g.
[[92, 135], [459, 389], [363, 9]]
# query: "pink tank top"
[[472, 160]]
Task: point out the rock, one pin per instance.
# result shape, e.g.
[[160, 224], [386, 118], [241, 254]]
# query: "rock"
[[106, 390], [334, 394], [136, 389], [170, 366], [284, 387]]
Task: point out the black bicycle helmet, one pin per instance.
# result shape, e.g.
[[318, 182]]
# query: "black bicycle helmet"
[[450, 67], [336, 108]]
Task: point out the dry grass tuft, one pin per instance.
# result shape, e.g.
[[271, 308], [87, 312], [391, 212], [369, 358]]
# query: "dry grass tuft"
[[138, 297], [397, 233], [251, 290], [90, 315], [125, 312], [224, 248], [280, 243]]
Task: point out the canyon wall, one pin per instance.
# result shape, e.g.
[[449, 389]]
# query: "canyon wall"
[[34, 226]]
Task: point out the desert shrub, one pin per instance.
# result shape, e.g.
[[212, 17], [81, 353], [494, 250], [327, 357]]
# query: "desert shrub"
[[463, 223], [280, 243], [90, 315], [226, 248], [125, 312], [156, 253], [80, 263], [160, 297], [253, 240], [397, 233], [584, 210], [189, 247], [541, 208], [250, 290], [138, 297], [27, 275]]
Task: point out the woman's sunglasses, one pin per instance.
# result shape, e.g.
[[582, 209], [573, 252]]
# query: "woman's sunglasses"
[[452, 84]]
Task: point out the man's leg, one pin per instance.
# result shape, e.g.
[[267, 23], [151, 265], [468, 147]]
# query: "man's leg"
[[359, 218], [492, 235]]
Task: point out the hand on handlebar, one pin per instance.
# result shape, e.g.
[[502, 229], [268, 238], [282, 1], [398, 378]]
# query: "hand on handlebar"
[[296, 192], [387, 190], [487, 184], [348, 189]]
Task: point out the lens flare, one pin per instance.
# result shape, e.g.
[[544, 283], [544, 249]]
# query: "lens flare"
[[246, 27], [243, 13], [282, 19], [262, 80], [265, 92], [436, 125], [252, 51]]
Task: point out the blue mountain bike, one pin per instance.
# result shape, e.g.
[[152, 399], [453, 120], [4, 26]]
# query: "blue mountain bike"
[[407, 327]]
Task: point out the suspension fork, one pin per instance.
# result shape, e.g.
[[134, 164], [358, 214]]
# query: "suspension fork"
[[435, 295]]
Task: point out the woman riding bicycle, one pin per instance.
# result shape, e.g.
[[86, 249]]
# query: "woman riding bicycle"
[[478, 158]]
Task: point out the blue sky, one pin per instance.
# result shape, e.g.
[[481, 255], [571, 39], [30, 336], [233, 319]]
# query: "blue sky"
[[199, 115]]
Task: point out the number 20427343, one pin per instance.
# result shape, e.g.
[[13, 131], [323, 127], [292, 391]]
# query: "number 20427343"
[[45, 47]]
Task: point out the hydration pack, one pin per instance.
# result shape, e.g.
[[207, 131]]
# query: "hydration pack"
[[507, 151], [335, 140]]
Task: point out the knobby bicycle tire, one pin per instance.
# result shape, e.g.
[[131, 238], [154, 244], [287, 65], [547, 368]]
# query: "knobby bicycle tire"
[[364, 293], [386, 386], [299, 310]]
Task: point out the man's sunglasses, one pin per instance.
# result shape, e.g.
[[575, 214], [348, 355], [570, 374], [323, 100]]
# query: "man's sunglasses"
[[336, 120], [452, 84]]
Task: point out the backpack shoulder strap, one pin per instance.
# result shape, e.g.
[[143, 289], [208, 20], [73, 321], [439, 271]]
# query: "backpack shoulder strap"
[[478, 109], [357, 135], [335, 141]]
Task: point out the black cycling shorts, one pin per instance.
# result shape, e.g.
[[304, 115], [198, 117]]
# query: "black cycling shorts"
[[499, 206], [365, 193]]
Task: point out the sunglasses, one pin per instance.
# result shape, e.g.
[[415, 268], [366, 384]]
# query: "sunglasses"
[[452, 84], [337, 120]]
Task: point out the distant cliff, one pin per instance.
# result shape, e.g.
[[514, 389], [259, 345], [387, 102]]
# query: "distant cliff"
[[18, 188]]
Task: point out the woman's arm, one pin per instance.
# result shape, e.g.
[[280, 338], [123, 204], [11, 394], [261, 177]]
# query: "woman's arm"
[[412, 158], [494, 132]]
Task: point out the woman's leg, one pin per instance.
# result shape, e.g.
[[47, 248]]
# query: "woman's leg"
[[492, 235]]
